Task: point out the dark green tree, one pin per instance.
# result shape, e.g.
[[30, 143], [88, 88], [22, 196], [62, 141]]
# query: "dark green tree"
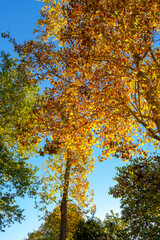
[[112, 228], [17, 177], [138, 188], [92, 228], [115, 227]]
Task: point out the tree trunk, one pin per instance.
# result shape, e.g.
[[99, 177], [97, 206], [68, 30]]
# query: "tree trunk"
[[63, 230]]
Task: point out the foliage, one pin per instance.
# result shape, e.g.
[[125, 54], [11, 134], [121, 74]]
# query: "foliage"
[[50, 229], [104, 79], [17, 99], [138, 188], [80, 227], [92, 228], [16, 176], [67, 145], [60, 122], [52, 183], [66, 179], [112, 228], [108, 62], [16, 179], [115, 227]]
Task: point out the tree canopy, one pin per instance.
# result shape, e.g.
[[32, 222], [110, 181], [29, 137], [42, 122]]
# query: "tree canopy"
[[17, 177], [17, 99], [109, 60], [138, 189], [115, 227]]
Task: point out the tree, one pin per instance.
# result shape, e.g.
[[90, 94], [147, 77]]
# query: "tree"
[[50, 229], [138, 188], [16, 176], [110, 56], [66, 180], [60, 122], [92, 228]]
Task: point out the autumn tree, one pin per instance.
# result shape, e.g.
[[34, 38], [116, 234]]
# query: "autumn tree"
[[70, 153], [138, 188], [110, 53], [61, 122], [17, 177], [65, 179], [104, 77]]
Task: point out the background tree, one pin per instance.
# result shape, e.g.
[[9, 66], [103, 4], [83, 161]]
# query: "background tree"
[[50, 229], [16, 176], [115, 227], [138, 188], [80, 227], [112, 228], [92, 228], [17, 100]]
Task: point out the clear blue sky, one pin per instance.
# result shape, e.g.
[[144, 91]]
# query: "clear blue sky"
[[19, 18]]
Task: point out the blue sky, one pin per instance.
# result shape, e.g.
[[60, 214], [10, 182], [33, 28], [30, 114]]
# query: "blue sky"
[[19, 18]]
